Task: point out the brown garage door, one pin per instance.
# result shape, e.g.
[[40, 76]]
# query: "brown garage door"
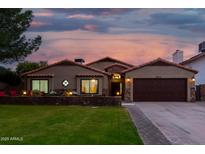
[[159, 89]]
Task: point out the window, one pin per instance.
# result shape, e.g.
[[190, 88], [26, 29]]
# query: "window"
[[116, 76], [89, 86], [41, 85]]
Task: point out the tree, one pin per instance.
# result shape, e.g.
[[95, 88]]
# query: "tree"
[[43, 63], [29, 66], [14, 46], [9, 77]]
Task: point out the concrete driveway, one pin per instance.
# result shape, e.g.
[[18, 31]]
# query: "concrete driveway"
[[180, 123]]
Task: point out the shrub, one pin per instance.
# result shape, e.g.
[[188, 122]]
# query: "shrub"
[[68, 92], [52, 93], [36, 93]]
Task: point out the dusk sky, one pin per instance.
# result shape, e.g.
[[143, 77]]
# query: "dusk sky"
[[132, 35]]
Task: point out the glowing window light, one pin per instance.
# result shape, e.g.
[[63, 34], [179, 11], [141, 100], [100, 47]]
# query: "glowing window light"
[[116, 76]]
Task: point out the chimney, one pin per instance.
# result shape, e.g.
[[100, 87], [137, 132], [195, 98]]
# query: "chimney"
[[177, 56], [202, 46], [79, 60]]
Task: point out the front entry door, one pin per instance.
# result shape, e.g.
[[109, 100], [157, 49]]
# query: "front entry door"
[[116, 88]]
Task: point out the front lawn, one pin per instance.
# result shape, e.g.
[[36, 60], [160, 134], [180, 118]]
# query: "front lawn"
[[66, 125]]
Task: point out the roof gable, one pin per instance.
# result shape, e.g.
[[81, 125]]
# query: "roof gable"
[[109, 59], [160, 62], [64, 62], [116, 64]]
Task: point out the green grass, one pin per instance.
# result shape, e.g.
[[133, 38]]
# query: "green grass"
[[67, 125]]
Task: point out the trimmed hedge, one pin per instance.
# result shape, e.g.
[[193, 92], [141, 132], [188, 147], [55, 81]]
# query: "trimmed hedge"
[[59, 100]]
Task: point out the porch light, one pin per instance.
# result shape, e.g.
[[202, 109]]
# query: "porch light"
[[128, 79], [193, 79], [117, 93]]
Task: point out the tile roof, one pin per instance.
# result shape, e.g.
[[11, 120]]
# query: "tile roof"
[[116, 64], [65, 62], [40, 75], [160, 60], [111, 59], [194, 58], [88, 75]]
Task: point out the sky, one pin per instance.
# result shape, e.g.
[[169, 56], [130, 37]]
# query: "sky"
[[135, 36]]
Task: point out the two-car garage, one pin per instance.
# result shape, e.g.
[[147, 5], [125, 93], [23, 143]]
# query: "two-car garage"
[[159, 80], [159, 89]]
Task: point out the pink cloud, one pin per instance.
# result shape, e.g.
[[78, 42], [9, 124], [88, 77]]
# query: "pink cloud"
[[43, 14], [80, 16], [132, 48], [38, 23]]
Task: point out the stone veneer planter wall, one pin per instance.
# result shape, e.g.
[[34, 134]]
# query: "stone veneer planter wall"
[[59, 100]]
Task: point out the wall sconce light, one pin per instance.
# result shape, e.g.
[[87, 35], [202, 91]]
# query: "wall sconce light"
[[128, 79], [193, 79]]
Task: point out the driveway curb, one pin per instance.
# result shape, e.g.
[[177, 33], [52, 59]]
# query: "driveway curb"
[[149, 133]]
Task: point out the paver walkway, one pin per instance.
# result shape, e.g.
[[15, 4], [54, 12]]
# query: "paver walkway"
[[149, 133]]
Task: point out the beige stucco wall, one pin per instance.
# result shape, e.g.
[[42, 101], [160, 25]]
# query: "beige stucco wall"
[[116, 69], [62, 72], [159, 72]]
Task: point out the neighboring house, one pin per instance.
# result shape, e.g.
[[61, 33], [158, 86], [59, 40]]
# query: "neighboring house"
[[198, 63], [3, 86], [159, 80]]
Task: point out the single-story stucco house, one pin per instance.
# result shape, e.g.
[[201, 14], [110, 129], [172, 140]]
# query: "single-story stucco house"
[[158, 80]]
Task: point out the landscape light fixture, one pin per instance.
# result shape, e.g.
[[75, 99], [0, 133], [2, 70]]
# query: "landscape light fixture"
[[117, 93], [24, 93]]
